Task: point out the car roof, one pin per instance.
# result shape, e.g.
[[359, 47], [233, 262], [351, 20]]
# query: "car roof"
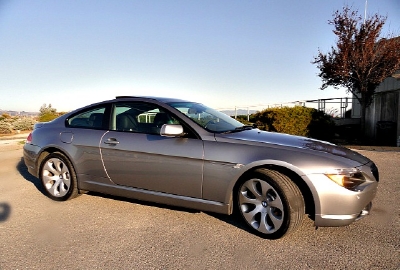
[[128, 98], [160, 99]]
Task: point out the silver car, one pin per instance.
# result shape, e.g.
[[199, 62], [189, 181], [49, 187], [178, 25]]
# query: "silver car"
[[183, 153]]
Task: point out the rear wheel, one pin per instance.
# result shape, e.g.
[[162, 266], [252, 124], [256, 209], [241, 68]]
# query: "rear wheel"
[[270, 203], [58, 177]]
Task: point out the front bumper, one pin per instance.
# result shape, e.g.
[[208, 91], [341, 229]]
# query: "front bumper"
[[338, 206], [341, 220]]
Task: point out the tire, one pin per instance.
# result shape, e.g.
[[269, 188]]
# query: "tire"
[[270, 203], [58, 177]]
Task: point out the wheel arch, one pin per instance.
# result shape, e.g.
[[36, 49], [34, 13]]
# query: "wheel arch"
[[294, 177], [47, 151]]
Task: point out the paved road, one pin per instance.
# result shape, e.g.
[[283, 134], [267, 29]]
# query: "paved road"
[[96, 232]]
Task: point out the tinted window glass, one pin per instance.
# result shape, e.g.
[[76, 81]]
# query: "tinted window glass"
[[93, 118], [140, 117], [210, 119]]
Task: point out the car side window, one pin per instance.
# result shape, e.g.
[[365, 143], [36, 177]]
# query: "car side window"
[[92, 119], [140, 118]]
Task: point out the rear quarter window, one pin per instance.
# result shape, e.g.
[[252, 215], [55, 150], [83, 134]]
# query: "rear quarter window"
[[92, 119]]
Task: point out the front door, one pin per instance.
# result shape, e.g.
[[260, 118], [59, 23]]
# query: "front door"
[[134, 155]]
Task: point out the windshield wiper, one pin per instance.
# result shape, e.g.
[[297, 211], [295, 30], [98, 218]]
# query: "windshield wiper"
[[238, 129]]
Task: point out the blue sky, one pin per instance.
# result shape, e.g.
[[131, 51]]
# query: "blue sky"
[[223, 53]]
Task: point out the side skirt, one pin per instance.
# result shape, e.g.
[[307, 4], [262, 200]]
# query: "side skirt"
[[157, 197]]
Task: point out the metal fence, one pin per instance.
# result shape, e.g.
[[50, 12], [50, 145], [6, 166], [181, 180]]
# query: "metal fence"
[[336, 107]]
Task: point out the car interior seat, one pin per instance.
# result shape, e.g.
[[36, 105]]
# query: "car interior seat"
[[96, 120], [161, 119], [126, 122]]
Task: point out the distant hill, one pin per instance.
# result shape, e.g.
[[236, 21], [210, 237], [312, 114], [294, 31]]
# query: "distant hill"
[[20, 113]]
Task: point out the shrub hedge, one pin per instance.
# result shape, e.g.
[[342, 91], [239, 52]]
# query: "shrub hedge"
[[296, 120], [9, 124]]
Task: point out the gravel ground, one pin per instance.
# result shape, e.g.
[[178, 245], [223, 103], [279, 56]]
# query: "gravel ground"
[[101, 232]]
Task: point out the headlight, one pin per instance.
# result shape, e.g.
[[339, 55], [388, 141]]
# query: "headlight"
[[348, 178]]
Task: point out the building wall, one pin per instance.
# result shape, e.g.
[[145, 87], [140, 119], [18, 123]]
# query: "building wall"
[[385, 107]]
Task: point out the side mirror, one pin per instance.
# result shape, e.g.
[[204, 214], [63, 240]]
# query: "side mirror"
[[171, 130]]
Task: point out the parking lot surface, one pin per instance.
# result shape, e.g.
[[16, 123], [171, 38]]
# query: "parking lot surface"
[[101, 232]]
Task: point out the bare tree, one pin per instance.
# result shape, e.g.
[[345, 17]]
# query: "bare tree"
[[361, 59]]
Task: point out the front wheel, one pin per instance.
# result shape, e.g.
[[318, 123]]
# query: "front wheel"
[[270, 203], [58, 177]]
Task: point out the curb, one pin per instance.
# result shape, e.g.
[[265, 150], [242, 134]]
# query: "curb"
[[15, 136], [373, 148]]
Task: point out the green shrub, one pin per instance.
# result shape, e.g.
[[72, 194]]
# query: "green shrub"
[[5, 116], [296, 120], [5, 127], [24, 123], [10, 124], [47, 113], [243, 119], [321, 126], [47, 117]]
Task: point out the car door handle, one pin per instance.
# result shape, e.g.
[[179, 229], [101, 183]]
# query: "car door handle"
[[111, 141]]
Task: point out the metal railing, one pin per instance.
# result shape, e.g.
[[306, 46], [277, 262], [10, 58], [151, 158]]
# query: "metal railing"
[[336, 107]]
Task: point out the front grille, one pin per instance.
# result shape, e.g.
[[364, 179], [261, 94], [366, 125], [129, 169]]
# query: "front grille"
[[375, 171]]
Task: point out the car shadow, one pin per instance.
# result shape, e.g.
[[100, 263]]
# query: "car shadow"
[[23, 170], [233, 219], [144, 203], [5, 210]]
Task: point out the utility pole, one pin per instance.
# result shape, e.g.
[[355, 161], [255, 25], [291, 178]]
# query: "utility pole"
[[365, 10]]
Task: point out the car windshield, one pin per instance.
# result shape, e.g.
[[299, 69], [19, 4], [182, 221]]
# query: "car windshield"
[[210, 119]]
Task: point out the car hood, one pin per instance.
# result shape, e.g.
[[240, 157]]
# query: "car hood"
[[298, 142]]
